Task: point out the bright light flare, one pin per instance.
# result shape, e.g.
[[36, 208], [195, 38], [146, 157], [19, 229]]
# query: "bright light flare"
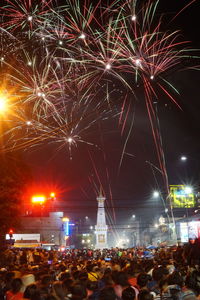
[[108, 66], [70, 140], [188, 189], [138, 62], [65, 219], [156, 194], [38, 199], [3, 103], [52, 195], [82, 36], [133, 18], [183, 158]]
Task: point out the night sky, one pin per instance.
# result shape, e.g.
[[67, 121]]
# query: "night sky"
[[76, 181]]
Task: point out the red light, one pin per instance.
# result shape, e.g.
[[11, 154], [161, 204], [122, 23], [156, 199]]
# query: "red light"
[[38, 199], [52, 195], [11, 233]]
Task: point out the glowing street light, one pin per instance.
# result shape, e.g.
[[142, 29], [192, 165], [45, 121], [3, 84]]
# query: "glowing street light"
[[65, 219], [188, 189], [52, 195], [38, 199], [156, 194], [183, 158]]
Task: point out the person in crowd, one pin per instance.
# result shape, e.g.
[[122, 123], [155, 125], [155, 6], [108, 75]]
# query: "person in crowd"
[[15, 292], [158, 274], [128, 294], [92, 274], [121, 282], [45, 285], [58, 291], [76, 274], [145, 295], [142, 281], [107, 293], [78, 292], [30, 291]]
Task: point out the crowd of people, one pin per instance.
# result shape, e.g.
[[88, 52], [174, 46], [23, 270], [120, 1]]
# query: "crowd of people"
[[115, 274]]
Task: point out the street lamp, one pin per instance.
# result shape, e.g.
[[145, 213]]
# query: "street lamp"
[[52, 195], [65, 219], [188, 190], [156, 194], [183, 158]]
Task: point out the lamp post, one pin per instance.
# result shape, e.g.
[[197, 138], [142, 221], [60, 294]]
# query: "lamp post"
[[158, 194], [190, 165]]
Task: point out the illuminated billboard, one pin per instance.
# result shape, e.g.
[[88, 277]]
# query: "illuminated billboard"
[[190, 230], [182, 196]]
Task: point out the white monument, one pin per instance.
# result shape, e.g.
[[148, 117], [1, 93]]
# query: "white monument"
[[101, 227]]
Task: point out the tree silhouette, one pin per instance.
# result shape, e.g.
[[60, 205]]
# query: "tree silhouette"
[[14, 176]]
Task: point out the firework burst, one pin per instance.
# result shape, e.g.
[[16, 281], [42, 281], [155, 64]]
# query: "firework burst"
[[62, 56]]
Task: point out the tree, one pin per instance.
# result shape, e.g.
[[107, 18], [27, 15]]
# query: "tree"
[[14, 176]]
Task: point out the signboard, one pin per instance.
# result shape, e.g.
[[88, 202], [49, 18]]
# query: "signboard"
[[24, 236], [190, 230], [182, 196], [101, 238]]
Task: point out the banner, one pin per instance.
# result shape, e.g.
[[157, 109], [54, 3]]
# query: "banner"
[[182, 196]]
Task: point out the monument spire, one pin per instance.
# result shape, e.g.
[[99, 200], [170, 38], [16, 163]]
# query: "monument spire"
[[101, 227]]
